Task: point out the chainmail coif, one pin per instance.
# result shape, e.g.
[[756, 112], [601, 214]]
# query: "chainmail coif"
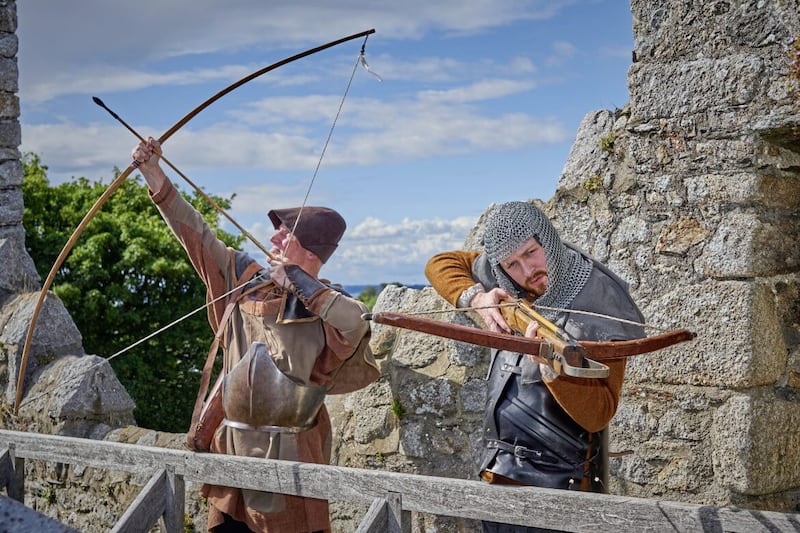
[[511, 224]]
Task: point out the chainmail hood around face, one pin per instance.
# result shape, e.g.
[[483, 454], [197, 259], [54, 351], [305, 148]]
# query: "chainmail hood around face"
[[511, 224]]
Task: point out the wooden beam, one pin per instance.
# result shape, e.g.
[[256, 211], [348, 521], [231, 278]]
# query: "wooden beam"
[[147, 508], [174, 508], [6, 468], [375, 519], [472, 499]]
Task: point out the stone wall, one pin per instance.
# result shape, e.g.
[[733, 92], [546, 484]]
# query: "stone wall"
[[706, 228], [691, 193]]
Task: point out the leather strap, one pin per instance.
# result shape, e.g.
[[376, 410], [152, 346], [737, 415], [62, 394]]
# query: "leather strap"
[[518, 451], [205, 380]]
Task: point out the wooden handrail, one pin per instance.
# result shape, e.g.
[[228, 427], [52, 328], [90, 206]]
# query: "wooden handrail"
[[531, 506]]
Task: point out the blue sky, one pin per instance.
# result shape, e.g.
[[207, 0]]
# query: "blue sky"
[[479, 103]]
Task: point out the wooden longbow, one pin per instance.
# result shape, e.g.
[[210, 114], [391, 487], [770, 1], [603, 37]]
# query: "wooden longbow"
[[121, 178]]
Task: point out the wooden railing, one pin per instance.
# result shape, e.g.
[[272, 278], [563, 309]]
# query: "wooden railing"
[[390, 495]]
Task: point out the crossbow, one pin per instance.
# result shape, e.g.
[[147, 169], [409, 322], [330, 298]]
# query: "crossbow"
[[564, 354]]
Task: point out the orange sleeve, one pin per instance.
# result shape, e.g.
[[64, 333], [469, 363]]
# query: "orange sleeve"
[[450, 273], [591, 402]]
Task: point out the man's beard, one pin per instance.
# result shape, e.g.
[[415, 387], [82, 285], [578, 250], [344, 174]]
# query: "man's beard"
[[537, 284]]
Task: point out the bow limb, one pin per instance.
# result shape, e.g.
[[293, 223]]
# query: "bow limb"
[[501, 341], [518, 314], [121, 178], [571, 360], [606, 351]]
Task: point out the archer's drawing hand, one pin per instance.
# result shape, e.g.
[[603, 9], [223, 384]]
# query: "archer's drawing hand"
[[485, 304], [277, 273]]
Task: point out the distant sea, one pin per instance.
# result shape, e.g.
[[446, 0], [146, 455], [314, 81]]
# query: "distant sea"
[[355, 290]]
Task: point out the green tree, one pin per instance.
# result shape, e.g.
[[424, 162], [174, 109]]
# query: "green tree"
[[369, 296], [126, 277]]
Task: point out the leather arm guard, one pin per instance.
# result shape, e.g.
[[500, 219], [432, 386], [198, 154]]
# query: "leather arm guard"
[[304, 285]]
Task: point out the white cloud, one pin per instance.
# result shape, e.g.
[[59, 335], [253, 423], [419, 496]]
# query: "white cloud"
[[118, 39], [479, 91], [395, 252]]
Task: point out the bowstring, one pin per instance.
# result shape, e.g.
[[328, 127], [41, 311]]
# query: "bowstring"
[[359, 60], [557, 309], [29, 399]]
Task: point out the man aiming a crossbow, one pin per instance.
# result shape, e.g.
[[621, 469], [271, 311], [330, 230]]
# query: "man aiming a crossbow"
[[541, 428]]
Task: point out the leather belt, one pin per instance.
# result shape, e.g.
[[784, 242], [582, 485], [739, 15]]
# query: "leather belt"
[[265, 429]]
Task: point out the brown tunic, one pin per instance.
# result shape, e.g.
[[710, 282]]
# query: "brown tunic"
[[329, 349]]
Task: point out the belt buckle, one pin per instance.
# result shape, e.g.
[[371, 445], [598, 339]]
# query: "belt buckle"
[[525, 453]]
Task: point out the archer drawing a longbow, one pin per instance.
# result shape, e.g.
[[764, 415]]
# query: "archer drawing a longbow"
[[121, 178]]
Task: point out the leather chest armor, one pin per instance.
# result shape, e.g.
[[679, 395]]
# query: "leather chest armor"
[[529, 438]]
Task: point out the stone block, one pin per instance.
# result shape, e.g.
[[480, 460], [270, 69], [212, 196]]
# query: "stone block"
[[660, 437], [675, 30], [9, 153], [75, 394], [586, 158], [18, 273], [745, 245], [8, 17], [55, 335], [9, 44], [10, 131], [9, 75], [702, 85], [756, 443], [9, 106], [11, 174], [11, 206], [739, 339]]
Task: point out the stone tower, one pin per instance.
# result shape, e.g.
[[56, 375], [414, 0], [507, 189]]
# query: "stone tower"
[[691, 193]]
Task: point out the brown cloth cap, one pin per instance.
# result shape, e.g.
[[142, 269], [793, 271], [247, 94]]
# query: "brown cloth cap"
[[319, 230]]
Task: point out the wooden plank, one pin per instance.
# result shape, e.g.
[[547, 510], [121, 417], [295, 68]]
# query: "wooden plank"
[[375, 519], [530, 506], [174, 507], [394, 520], [92, 453], [147, 508], [15, 482], [6, 468]]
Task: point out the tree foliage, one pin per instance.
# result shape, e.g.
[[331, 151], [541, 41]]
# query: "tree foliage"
[[126, 277], [369, 296]]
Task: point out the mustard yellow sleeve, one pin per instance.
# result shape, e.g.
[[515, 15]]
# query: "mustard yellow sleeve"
[[450, 273]]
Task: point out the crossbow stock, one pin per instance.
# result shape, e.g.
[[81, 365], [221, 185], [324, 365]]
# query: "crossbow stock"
[[565, 355]]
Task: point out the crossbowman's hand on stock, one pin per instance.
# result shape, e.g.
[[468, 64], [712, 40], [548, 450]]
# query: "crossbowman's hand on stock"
[[485, 304], [530, 332]]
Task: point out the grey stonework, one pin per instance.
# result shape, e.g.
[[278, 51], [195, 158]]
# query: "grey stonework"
[[691, 193]]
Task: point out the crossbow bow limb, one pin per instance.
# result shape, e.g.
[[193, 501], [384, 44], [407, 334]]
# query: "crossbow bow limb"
[[565, 355]]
